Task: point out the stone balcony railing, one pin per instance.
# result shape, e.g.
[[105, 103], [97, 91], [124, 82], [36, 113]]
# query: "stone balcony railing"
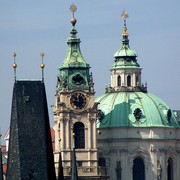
[[87, 171]]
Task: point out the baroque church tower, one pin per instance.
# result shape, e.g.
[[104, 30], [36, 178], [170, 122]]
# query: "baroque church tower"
[[75, 111]]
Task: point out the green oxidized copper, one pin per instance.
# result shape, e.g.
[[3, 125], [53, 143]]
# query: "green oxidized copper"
[[125, 57], [74, 71], [120, 110]]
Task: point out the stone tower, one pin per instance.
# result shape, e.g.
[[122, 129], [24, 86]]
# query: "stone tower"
[[30, 154], [75, 112]]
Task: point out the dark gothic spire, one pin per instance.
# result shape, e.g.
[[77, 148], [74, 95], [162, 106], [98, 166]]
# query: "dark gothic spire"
[[30, 153]]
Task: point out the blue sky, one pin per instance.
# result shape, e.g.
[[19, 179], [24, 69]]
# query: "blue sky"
[[30, 27]]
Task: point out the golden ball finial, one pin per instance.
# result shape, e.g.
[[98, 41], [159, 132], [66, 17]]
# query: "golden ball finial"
[[14, 65], [42, 66], [125, 33], [73, 21]]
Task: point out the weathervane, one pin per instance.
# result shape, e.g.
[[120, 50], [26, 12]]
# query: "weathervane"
[[42, 65], [14, 65], [73, 9]]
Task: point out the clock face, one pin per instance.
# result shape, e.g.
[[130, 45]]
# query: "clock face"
[[78, 100]]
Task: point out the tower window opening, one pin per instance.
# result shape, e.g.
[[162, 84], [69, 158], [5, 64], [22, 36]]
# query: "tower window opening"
[[119, 80], [137, 81], [138, 169], [128, 80], [170, 169], [79, 131]]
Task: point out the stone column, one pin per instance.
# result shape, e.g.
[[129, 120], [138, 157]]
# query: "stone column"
[[68, 134], [89, 134], [94, 134], [62, 133]]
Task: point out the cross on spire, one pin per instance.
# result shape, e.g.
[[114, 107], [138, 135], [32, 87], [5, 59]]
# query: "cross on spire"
[[73, 9]]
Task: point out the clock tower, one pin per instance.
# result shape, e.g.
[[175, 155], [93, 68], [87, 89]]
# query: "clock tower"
[[75, 112]]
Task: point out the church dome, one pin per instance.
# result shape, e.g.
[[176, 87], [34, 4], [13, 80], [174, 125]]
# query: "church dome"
[[127, 102], [134, 109], [125, 50]]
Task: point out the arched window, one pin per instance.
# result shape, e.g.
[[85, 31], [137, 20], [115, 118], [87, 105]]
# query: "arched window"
[[128, 80], [119, 81], [170, 169], [138, 169], [79, 135], [102, 164]]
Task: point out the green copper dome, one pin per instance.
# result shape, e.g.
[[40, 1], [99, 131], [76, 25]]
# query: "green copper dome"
[[134, 109], [125, 57], [125, 50]]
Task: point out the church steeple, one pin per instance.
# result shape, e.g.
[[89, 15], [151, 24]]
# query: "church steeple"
[[75, 111], [125, 72], [74, 71]]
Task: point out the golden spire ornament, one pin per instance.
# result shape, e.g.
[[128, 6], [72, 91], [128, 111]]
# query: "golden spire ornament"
[[14, 65], [73, 9], [124, 16], [42, 65]]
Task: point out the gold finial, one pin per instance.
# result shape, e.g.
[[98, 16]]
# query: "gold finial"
[[42, 65], [73, 9], [14, 65], [124, 16]]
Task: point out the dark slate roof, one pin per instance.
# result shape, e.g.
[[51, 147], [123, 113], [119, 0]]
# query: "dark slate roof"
[[30, 153]]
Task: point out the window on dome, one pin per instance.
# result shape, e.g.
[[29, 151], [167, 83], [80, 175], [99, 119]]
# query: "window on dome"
[[170, 169], [138, 169], [79, 135], [119, 81], [128, 80]]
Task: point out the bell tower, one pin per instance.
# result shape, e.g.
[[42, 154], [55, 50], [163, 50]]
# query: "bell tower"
[[126, 72], [75, 111]]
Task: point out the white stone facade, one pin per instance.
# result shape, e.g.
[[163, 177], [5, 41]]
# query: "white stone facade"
[[153, 145], [65, 118]]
